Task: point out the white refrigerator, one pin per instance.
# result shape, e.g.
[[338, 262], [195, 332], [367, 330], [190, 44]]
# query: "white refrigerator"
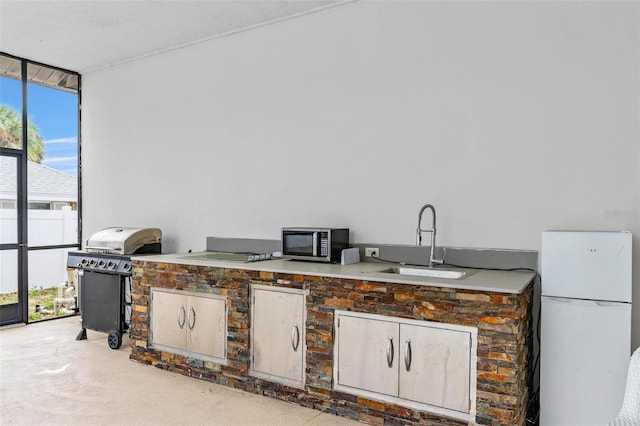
[[585, 329]]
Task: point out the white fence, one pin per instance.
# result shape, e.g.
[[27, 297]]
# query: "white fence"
[[47, 268]]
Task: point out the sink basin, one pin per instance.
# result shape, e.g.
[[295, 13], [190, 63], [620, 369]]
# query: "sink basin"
[[431, 273]]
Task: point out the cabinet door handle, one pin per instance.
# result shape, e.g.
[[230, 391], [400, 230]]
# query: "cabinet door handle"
[[407, 354], [192, 318], [390, 351], [295, 337], [182, 316]]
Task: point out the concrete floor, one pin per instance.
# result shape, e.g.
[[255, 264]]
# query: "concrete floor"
[[47, 377]]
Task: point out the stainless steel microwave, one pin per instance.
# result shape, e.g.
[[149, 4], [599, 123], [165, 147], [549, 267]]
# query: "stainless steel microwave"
[[316, 244]]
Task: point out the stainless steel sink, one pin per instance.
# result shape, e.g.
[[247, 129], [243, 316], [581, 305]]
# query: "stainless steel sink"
[[431, 273]]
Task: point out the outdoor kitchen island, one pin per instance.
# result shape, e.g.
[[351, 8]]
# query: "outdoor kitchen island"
[[335, 337]]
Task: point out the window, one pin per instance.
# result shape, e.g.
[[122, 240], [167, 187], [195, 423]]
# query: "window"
[[39, 185]]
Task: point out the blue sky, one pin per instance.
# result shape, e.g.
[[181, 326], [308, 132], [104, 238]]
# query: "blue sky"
[[55, 114]]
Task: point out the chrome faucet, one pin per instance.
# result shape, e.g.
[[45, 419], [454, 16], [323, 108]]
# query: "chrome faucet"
[[432, 260]]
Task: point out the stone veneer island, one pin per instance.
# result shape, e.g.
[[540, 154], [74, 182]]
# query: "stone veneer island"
[[503, 320]]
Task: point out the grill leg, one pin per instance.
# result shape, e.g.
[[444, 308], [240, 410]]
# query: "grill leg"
[[82, 335]]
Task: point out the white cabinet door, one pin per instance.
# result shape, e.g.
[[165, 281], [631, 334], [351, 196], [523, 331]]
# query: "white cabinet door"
[[206, 323], [367, 354], [419, 364], [278, 334], [168, 319], [189, 324], [435, 366]]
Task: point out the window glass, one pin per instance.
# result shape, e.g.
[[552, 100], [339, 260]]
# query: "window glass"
[[8, 277], [10, 103], [52, 289], [8, 197], [53, 164]]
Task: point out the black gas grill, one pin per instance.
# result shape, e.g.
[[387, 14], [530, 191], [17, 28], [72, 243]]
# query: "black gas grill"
[[104, 278]]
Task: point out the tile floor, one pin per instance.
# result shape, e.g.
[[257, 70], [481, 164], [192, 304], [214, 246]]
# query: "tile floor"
[[49, 378]]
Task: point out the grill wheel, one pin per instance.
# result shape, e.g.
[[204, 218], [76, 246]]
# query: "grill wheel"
[[114, 339]]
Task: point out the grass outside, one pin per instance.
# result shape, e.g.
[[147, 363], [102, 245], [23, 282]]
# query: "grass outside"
[[40, 303]]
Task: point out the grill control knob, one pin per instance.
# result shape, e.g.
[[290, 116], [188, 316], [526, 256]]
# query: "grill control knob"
[[127, 267], [92, 262], [84, 262], [111, 265], [101, 264]]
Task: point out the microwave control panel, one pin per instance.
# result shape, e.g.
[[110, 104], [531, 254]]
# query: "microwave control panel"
[[324, 244]]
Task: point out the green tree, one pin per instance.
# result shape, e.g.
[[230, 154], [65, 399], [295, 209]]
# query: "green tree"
[[11, 134]]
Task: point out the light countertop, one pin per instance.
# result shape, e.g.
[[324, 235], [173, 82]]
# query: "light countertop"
[[512, 282]]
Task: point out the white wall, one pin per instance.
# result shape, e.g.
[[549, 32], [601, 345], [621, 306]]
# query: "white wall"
[[510, 117]]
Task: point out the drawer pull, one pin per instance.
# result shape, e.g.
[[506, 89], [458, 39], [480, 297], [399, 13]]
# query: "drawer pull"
[[407, 354], [295, 337], [192, 318], [390, 351], [182, 315]]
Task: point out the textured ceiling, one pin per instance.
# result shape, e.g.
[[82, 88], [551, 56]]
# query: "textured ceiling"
[[88, 35]]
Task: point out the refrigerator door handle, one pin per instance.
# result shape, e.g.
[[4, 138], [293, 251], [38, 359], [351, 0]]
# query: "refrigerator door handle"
[[564, 299], [606, 303], [584, 302]]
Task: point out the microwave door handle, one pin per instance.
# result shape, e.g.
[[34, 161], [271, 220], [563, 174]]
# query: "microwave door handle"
[[315, 244]]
